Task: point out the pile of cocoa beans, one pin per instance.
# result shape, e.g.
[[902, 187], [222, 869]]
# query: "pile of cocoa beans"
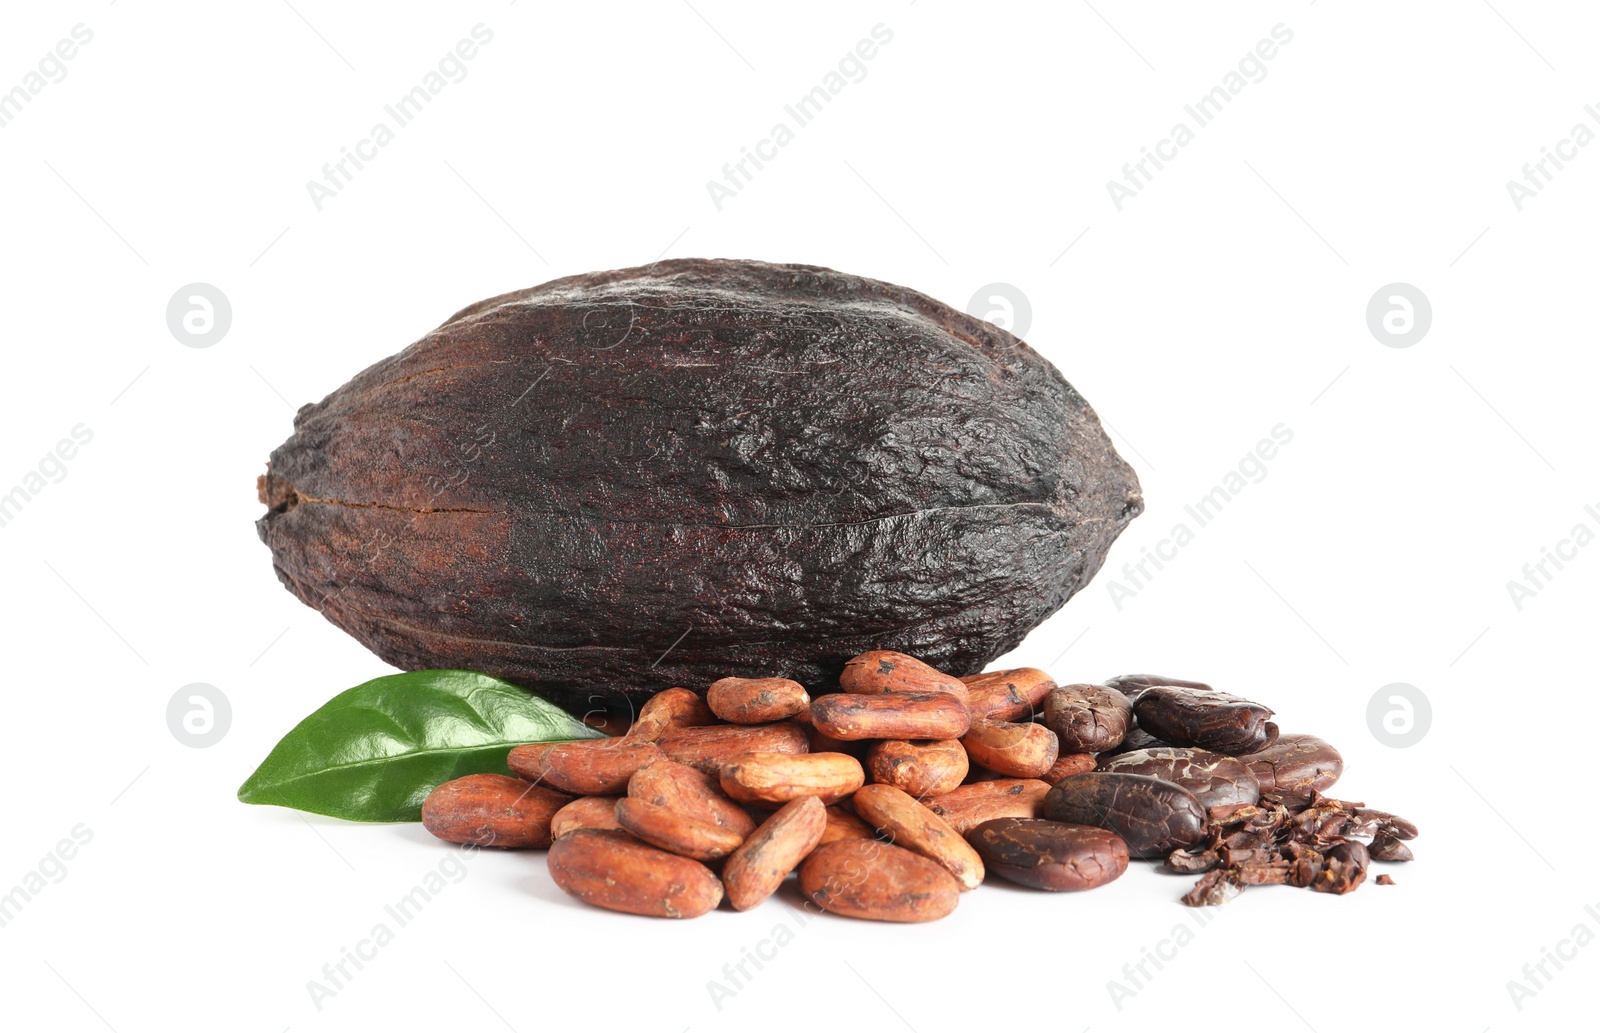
[[897, 794]]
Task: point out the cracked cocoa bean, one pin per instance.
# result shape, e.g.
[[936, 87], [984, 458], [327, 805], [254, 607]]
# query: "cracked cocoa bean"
[[1205, 718], [1153, 816], [1296, 764], [1087, 718], [1215, 779]]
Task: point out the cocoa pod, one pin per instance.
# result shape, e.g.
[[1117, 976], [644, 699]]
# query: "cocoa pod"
[[706, 748], [1012, 695], [826, 463], [674, 832], [866, 878], [882, 670], [597, 767], [1019, 750], [842, 824], [586, 812], [1050, 855], [920, 768], [890, 715], [615, 871], [777, 778], [1069, 764], [972, 805], [754, 701], [692, 793], [1088, 718], [909, 824], [758, 867], [492, 810], [668, 711]]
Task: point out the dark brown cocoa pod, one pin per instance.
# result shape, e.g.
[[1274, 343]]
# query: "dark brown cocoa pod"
[[1050, 855], [1205, 718], [627, 480], [1155, 817], [1215, 779], [1087, 718]]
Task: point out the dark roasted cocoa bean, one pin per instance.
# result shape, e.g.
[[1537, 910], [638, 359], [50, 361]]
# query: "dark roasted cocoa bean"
[[1136, 739], [1087, 718], [1215, 779], [1386, 847], [1344, 867], [1133, 685], [1205, 718], [1155, 817], [1296, 764], [1050, 855], [1012, 695]]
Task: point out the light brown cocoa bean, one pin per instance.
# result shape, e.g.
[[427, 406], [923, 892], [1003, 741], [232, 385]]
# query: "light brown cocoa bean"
[[882, 670], [492, 810], [1018, 749], [777, 778], [754, 701], [972, 805], [1013, 695], [1069, 764], [689, 792], [527, 761], [758, 867], [674, 832], [597, 767], [909, 824], [867, 878], [586, 812], [613, 870], [842, 824], [890, 715], [706, 748], [923, 768], [1088, 718], [669, 710]]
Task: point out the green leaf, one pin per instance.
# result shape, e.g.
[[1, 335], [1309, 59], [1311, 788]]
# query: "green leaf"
[[372, 753]]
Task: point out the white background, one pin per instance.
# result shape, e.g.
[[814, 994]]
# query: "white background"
[[1226, 298]]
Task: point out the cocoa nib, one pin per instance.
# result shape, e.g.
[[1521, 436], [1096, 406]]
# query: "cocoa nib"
[[1290, 839]]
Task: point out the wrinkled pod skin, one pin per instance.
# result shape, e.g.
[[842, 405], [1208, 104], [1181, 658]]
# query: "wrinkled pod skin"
[[559, 484]]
